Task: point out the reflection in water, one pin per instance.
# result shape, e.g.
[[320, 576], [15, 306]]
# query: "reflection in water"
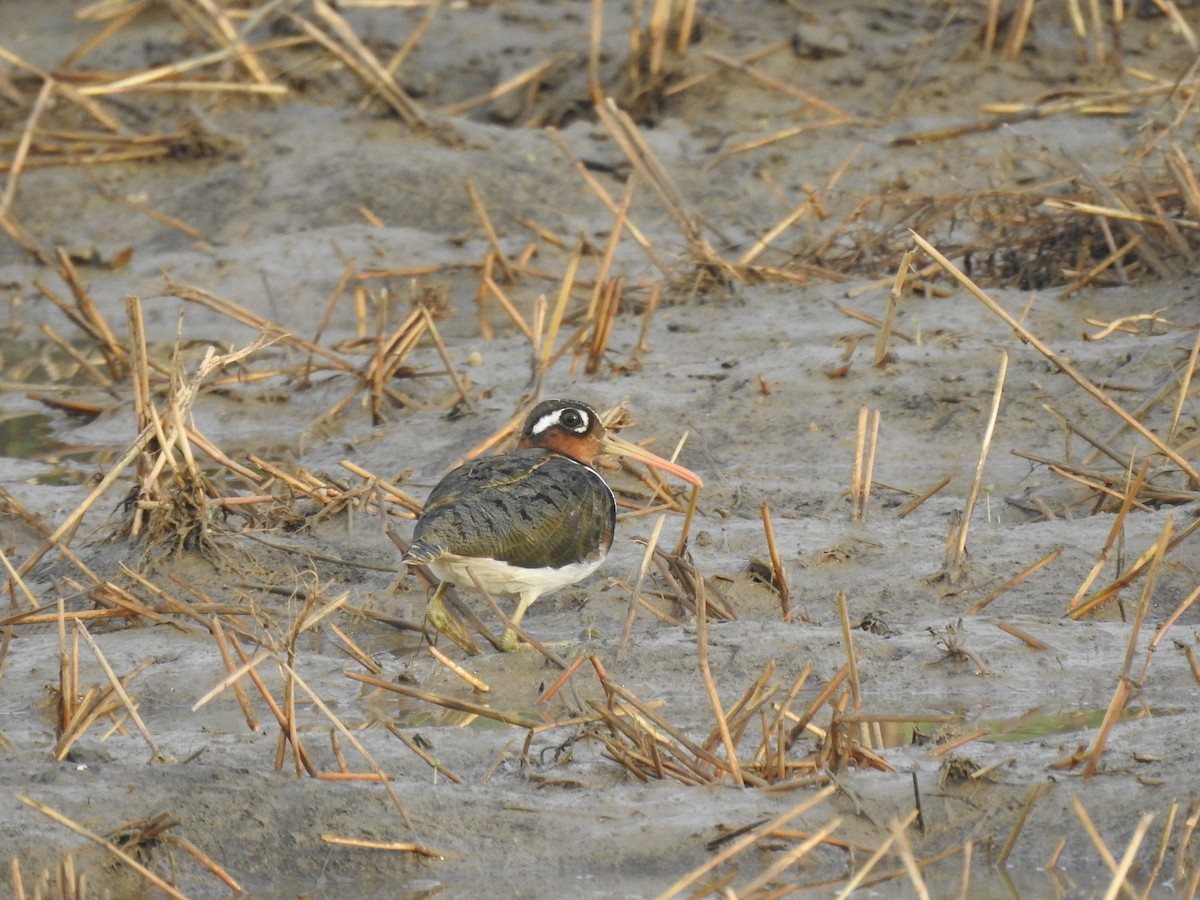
[[1034, 725], [26, 437]]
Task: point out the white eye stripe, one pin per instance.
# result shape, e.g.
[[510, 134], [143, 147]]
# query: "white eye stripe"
[[555, 418]]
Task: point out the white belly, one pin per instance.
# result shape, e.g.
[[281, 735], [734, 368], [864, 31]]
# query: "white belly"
[[504, 578]]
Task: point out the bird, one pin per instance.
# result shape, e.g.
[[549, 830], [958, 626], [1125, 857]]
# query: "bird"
[[529, 521]]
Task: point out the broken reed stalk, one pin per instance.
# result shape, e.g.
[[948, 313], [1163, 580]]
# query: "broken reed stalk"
[[16, 582], [1183, 606], [957, 568], [912, 504], [89, 313], [865, 736], [1163, 846], [1023, 636], [1125, 684], [1185, 384], [629, 138], [458, 670], [1132, 490], [748, 839], [478, 709], [529, 76], [781, 582], [1132, 573], [857, 879], [1022, 818], [119, 689], [383, 778], [763, 243], [636, 594], [549, 655], [1102, 848], [606, 198], [239, 689], [603, 289], [1122, 872], [359, 59], [547, 339], [865, 444], [1014, 581], [791, 857], [489, 230], [395, 846], [451, 372], [439, 769], [710, 685], [23, 144], [909, 860], [889, 316], [106, 845], [1060, 362]]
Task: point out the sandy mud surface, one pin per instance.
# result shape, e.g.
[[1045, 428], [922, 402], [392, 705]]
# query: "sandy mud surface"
[[269, 190]]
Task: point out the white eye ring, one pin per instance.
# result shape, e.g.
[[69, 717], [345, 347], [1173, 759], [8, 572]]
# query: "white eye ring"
[[555, 418]]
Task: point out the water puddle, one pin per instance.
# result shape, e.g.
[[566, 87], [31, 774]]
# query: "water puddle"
[[31, 436], [27, 436], [1035, 725]]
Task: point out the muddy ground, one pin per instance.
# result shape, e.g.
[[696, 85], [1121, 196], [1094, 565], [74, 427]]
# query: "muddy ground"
[[766, 372]]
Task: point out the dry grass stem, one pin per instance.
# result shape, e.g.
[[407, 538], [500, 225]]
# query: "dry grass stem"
[[958, 564], [478, 709], [765, 242], [635, 595], [911, 867], [1023, 636], [1119, 876], [791, 857], [1102, 848], [780, 576], [1125, 686], [865, 444], [239, 690], [1189, 371], [1019, 825], [777, 85], [749, 839], [859, 877], [456, 669], [606, 198], [851, 660], [489, 230], [119, 690], [359, 59], [1131, 573], [629, 138], [382, 776], [1183, 606], [395, 846], [914, 503], [1060, 362], [889, 316], [980, 605], [529, 76], [108, 846]]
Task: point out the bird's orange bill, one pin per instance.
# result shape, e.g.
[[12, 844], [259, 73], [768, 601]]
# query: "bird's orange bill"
[[618, 446]]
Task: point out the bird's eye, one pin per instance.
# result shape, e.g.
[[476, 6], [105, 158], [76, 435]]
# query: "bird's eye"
[[573, 419]]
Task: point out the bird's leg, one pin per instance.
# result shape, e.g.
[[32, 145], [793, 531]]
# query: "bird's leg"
[[509, 640], [437, 616]]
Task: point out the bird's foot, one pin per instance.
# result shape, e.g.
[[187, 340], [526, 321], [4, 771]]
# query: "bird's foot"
[[445, 623], [510, 642]]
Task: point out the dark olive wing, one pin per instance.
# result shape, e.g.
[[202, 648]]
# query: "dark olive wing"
[[530, 508]]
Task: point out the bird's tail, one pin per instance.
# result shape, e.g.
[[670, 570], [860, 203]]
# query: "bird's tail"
[[422, 552]]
